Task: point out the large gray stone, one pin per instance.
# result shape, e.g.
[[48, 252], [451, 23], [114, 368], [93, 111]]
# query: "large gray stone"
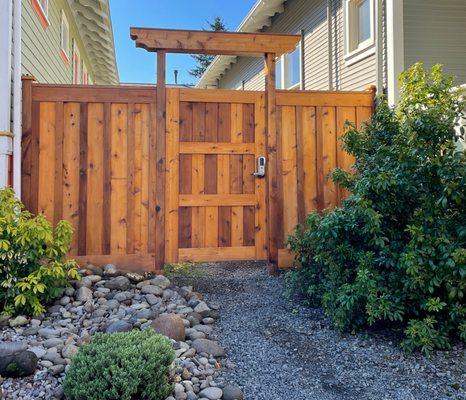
[[203, 309], [83, 294], [48, 333], [118, 326], [118, 283], [170, 325], [211, 393], [152, 289], [23, 363], [110, 270], [209, 347], [160, 281], [20, 320], [232, 392]]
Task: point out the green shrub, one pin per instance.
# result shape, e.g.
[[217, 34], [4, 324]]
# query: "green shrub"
[[121, 366], [395, 251], [33, 269]]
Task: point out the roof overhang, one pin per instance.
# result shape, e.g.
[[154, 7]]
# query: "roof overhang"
[[95, 27], [259, 17], [213, 42]]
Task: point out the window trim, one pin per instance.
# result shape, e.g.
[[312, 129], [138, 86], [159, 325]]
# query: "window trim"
[[365, 48], [64, 52], [42, 13]]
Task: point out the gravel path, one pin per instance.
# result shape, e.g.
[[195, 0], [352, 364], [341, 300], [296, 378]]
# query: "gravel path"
[[283, 351]]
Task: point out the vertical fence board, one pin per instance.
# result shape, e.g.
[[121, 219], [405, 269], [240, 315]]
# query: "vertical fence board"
[[95, 179]]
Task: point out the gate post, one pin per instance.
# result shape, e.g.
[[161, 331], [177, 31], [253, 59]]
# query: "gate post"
[[273, 207], [160, 156]]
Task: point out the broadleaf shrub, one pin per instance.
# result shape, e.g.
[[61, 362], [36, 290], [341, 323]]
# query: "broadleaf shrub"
[[121, 366], [33, 268], [394, 252]]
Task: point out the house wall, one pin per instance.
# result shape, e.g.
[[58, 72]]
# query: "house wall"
[[310, 16], [41, 46], [435, 32]]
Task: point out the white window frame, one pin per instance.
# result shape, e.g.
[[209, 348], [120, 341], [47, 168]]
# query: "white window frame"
[[65, 47], [355, 51], [283, 70]]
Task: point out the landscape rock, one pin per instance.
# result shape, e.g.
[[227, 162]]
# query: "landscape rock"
[[19, 364], [83, 294], [232, 392], [209, 347], [152, 289], [110, 270], [211, 393], [118, 326], [9, 348], [170, 325], [203, 309], [160, 281], [118, 283], [20, 320]]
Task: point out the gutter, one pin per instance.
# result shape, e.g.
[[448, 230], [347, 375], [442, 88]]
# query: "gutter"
[[5, 89]]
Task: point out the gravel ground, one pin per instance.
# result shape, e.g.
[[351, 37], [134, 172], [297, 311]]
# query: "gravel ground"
[[284, 351]]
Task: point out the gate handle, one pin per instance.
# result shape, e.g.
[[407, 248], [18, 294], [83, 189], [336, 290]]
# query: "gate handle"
[[260, 171]]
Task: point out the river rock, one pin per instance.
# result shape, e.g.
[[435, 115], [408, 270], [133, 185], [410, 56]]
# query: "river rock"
[[118, 283], [83, 294], [160, 281], [118, 326], [20, 320], [211, 393], [232, 392], [170, 325], [209, 347], [19, 364]]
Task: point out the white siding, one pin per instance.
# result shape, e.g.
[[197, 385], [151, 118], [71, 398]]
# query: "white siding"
[[435, 32], [311, 17]]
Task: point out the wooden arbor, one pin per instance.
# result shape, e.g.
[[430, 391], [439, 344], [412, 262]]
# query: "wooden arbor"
[[269, 46]]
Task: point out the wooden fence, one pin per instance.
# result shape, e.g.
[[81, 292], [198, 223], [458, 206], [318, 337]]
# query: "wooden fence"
[[91, 156]]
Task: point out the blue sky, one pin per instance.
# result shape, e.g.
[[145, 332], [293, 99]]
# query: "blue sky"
[[137, 65]]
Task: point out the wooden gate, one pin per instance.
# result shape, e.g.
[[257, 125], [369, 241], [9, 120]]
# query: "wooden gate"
[[215, 205]]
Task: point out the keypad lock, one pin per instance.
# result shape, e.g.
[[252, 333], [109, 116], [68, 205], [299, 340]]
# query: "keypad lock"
[[260, 167]]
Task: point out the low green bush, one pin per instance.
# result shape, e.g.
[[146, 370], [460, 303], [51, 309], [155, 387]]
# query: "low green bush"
[[121, 366], [33, 268], [394, 252]]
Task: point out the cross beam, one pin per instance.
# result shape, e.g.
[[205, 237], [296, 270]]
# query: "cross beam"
[[216, 43]]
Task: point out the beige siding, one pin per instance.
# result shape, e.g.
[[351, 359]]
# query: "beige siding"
[[41, 46], [435, 32], [311, 17]]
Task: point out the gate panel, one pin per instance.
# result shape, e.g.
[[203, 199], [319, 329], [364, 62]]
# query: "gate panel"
[[220, 206]]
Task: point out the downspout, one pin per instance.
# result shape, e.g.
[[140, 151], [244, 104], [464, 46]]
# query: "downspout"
[[330, 44], [379, 47], [17, 106], [5, 89]]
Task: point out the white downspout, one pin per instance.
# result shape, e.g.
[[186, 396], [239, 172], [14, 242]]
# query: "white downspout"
[[395, 47], [379, 46], [5, 89], [17, 99]]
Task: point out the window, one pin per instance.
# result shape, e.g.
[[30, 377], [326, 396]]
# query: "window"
[[41, 7], [65, 38], [288, 70], [76, 64], [359, 24]]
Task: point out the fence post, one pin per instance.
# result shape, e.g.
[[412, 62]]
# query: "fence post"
[[27, 142], [273, 197], [160, 155]]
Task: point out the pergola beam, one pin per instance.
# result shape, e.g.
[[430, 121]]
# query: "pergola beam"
[[217, 43]]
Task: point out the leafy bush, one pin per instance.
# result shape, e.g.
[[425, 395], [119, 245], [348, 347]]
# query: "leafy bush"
[[121, 366], [395, 251], [33, 269]]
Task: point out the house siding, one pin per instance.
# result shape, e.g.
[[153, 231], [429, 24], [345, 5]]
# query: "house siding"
[[311, 17], [435, 32], [41, 46]]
